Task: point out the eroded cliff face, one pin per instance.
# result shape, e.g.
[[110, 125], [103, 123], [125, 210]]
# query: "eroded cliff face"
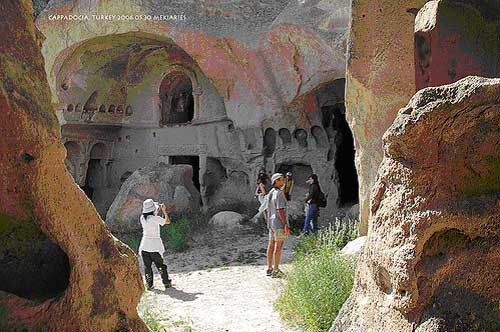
[[61, 269], [431, 259], [398, 48]]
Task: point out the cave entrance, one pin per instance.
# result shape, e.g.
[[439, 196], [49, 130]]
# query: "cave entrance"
[[95, 180], [194, 161], [33, 267], [176, 97], [342, 152]]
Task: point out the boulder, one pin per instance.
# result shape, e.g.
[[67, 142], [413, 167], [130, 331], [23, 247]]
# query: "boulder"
[[353, 212], [354, 248], [431, 256], [60, 267], [168, 184], [228, 220]]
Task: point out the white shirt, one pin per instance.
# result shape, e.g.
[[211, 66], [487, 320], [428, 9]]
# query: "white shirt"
[[151, 240]]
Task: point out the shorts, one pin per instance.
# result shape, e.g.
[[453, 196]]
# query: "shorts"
[[277, 234]]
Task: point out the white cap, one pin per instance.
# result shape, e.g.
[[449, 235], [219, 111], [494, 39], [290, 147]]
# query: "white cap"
[[149, 206], [275, 177]]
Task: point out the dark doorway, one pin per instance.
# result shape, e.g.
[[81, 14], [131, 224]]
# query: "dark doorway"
[[300, 174], [342, 152], [194, 161], [95, 171], [176, 96]]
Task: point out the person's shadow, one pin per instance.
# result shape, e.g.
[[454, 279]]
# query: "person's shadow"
[[178, 294]]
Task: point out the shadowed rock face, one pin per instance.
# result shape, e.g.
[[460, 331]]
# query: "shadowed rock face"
[[399, 48], [431, 261], [61, 270]]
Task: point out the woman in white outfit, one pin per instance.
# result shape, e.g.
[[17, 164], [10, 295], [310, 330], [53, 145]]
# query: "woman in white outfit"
[[151, 248]]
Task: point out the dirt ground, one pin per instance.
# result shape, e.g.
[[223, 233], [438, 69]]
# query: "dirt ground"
[[219, 285]]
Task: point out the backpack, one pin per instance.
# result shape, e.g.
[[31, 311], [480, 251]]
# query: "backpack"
[[322, 201]]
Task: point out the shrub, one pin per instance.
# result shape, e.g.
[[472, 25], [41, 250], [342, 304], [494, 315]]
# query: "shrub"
[[177, 235], [319, 282]]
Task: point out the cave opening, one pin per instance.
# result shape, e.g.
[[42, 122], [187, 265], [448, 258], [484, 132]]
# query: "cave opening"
[[33, 267], [342, 152], [176, 98]]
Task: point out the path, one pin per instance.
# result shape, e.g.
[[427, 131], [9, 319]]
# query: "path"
[[220, 286]]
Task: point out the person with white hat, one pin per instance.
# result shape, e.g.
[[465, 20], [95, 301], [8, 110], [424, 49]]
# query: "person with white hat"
[[277, 224], [151, 248]]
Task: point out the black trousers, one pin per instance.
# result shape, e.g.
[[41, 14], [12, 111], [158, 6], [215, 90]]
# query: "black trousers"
[[154, 257]]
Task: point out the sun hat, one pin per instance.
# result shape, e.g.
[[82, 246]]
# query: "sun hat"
[[149, 206], [275, 177]]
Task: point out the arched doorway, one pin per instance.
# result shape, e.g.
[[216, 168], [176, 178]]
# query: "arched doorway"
[[176, 98]]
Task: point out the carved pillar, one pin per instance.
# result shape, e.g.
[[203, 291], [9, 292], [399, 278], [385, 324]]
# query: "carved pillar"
[[203, 187], [197, 92]]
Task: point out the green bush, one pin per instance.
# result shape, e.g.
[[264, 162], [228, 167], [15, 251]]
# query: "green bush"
[[320, 281], [176, 236]]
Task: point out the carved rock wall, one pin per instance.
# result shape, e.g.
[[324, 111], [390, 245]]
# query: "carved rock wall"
[[44, 213], [432, 252]]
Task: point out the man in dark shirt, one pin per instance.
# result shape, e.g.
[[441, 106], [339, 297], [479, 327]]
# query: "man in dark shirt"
[[312, 201]]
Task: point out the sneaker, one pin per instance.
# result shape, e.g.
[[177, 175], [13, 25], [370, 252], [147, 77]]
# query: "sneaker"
[[269, 272], [277, 274]]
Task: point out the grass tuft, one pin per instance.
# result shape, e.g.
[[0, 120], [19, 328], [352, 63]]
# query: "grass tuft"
[[320, 280]]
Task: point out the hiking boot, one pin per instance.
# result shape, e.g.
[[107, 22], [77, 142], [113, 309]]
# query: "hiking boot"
[[277, 274], [269, 272], [168, 284]]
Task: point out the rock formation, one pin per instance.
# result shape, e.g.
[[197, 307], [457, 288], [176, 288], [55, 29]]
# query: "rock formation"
[[171, 185], [229, 88], [60, 268], [432, 253], [398, 48]]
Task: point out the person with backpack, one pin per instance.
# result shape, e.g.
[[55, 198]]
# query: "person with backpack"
[[314, 200]]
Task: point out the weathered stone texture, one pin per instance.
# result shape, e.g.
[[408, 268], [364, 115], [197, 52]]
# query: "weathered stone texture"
[[380, 79], [397, 48], [431, 258], [43, 212], [265, 79], [455, 39]]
